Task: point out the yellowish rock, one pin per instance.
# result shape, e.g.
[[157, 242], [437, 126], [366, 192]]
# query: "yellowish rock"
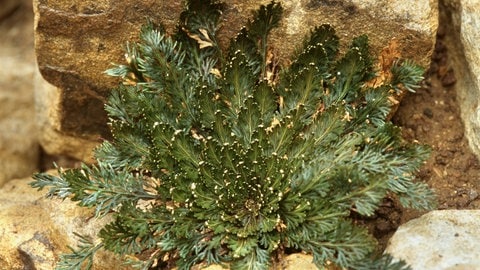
[[35, 230]]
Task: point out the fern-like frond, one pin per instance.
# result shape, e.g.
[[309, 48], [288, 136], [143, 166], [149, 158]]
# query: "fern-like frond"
[[81, 257]]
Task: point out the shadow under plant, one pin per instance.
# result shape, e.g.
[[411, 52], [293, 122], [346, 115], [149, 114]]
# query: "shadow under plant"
[[217, 157]]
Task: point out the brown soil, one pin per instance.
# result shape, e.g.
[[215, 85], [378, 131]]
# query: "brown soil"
[[432, 116]]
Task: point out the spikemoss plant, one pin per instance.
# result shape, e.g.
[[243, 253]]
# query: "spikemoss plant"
[[218, 158]]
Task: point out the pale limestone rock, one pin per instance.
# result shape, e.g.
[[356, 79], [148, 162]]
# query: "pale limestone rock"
[[299, 261], [422, 20], [462, 36], [76, 41], [36, 230], [19, 149], [446, 239]]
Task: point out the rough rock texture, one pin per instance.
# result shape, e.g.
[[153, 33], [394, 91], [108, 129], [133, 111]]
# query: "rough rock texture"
[[77, 40], [462, 35], [48, 115], [446, 239], [18, 142], [36, 230], [299, 261]]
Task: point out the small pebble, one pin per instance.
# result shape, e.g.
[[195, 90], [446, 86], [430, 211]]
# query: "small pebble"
[[473, 194], [428, 112], [449, 78]]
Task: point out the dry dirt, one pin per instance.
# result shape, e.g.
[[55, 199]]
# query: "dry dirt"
[[432, 116]]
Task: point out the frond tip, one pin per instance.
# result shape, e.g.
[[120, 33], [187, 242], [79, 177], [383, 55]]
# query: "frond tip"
[[81, 257]]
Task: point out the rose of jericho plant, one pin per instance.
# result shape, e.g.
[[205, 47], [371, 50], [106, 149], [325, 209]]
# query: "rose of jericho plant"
[[218, 158]]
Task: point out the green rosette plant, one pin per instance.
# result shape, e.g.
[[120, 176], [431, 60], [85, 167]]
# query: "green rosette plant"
[[216, 157]]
